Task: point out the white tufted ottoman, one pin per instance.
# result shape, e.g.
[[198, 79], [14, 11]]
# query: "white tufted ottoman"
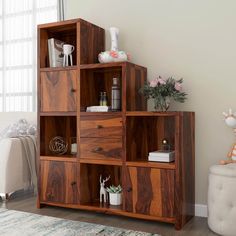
[[222, 199]]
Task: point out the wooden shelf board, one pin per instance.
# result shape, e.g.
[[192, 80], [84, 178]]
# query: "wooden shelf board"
[[84, 113], [45, 69], [160, 165], [107, 65], [59, 158], [66, 113], [117, 210], [59, 24], [102, 65], [101, 161], [152, 113]]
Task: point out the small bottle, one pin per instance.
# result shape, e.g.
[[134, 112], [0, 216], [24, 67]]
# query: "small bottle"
[[101, 99], [115, 96], [104, 101]]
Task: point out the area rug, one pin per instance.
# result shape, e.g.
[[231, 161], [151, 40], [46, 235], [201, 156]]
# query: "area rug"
[[15, 223]]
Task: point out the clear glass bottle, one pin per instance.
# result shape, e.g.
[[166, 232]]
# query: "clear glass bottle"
[[115, 95], [104, 103], [101, 99]]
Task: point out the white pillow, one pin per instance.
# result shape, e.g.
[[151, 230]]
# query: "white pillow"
[[21, 128]]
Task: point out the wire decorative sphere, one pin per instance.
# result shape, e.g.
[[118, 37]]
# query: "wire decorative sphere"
[[58, 145]]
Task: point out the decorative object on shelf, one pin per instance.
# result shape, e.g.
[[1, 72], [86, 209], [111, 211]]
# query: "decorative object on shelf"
[[97, 109], [230, 120], [115, 95], [162, 91], [73, 149], [162, 156], [115, 195], [58, 145], [55, 51], [165, 144], [67, 51], [114, 55], [103, 99], [103, 191]]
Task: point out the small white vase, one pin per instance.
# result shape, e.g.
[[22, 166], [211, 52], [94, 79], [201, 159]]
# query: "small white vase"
[[115, 199]]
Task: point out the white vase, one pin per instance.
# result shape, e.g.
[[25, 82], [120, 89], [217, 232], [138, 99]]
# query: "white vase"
[[115, 199], [114, 55], [114, 32]]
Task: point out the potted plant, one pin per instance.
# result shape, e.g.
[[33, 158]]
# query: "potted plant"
[[162, 91], [115, 194]]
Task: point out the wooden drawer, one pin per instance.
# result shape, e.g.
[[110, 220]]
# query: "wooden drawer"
[[101, 126], [100, 148]]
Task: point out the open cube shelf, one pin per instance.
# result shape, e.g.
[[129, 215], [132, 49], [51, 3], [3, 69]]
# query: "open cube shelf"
[[145, 134], [53, 126], [89, 180]]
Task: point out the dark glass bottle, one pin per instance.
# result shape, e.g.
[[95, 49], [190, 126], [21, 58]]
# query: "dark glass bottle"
[[115, 95]]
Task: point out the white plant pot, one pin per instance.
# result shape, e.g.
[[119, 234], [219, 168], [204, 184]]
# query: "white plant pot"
[[115, 198]]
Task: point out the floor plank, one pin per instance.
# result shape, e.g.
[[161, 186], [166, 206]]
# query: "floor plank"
[[27, 202]]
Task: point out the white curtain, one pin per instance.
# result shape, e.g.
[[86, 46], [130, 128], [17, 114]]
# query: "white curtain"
[[18, 33]]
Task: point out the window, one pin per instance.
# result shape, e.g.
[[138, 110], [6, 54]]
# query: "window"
[[18, 33]]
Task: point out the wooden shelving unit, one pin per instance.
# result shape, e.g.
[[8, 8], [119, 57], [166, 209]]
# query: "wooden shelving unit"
[[109, 143]]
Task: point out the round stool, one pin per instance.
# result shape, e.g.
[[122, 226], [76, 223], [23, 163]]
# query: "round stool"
[[222, 199]]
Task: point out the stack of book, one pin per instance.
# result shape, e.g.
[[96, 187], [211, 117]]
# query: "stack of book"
[[162, 156], [55, 51], [97, 109]]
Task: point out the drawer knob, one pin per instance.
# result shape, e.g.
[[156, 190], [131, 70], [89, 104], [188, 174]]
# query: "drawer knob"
[[99, 126], [73, 183], [97, 149], [73, 90], [129, 189]]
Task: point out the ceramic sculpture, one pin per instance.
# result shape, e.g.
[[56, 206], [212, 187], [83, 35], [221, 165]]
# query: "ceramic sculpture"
[[114, 55]]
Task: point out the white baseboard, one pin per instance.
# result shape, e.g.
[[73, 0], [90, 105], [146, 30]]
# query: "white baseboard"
[[200, 210]]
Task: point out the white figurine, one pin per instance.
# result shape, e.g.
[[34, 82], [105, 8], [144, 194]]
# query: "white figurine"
[[103, 191]]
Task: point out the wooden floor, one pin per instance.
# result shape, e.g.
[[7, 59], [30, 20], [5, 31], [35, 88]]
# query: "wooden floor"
[[27, 202]]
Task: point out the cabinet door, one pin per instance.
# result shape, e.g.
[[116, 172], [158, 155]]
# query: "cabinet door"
[[58, 182], [58, 91], [150, 191]]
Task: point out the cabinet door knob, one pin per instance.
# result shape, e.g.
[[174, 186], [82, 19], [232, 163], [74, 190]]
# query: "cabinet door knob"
[[73, 90], [99, 126], [73, 183], [129, 189], [97, 149]]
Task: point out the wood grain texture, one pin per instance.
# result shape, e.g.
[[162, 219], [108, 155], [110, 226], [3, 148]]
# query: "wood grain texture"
[[58, 182], [185, 172], [135, 79], [102, 126], [101, 148], [150, 191], [58, 91], [91, 41]]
